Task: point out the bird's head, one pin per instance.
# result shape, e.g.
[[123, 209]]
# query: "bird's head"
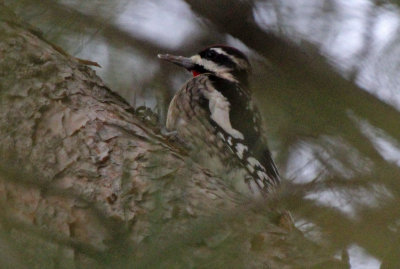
[[223, 61]]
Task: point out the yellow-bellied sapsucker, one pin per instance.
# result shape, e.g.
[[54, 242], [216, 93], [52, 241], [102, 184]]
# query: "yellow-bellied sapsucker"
[[214, 111]]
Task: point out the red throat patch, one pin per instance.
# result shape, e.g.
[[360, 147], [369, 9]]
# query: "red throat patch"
[[195, 73]]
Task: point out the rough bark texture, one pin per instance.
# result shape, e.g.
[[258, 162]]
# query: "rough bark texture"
[[85, 181]]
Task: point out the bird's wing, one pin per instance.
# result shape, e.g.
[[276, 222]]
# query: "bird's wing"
[[238, 122]]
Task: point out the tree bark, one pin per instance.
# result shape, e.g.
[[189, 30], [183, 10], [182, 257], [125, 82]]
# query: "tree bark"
[[87, 181]]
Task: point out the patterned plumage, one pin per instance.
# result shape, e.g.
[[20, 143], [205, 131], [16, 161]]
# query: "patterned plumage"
[[214, 113]]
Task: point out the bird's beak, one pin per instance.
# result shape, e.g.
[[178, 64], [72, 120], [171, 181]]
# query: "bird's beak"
[[178, 60]]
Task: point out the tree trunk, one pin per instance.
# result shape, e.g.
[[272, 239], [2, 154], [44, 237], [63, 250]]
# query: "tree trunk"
[[87, 181]]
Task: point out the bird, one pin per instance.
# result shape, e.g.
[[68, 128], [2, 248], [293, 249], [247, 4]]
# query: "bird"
[[214, 112]]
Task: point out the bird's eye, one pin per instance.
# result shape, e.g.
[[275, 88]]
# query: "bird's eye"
[[211, 54]]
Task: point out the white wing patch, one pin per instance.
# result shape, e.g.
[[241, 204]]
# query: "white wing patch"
[[253, 162], [262, 175], [250, 167], [219, 108], [240, 148]]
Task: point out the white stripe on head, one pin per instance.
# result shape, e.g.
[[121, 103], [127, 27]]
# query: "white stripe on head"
[[221, 71], [242, 64]]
